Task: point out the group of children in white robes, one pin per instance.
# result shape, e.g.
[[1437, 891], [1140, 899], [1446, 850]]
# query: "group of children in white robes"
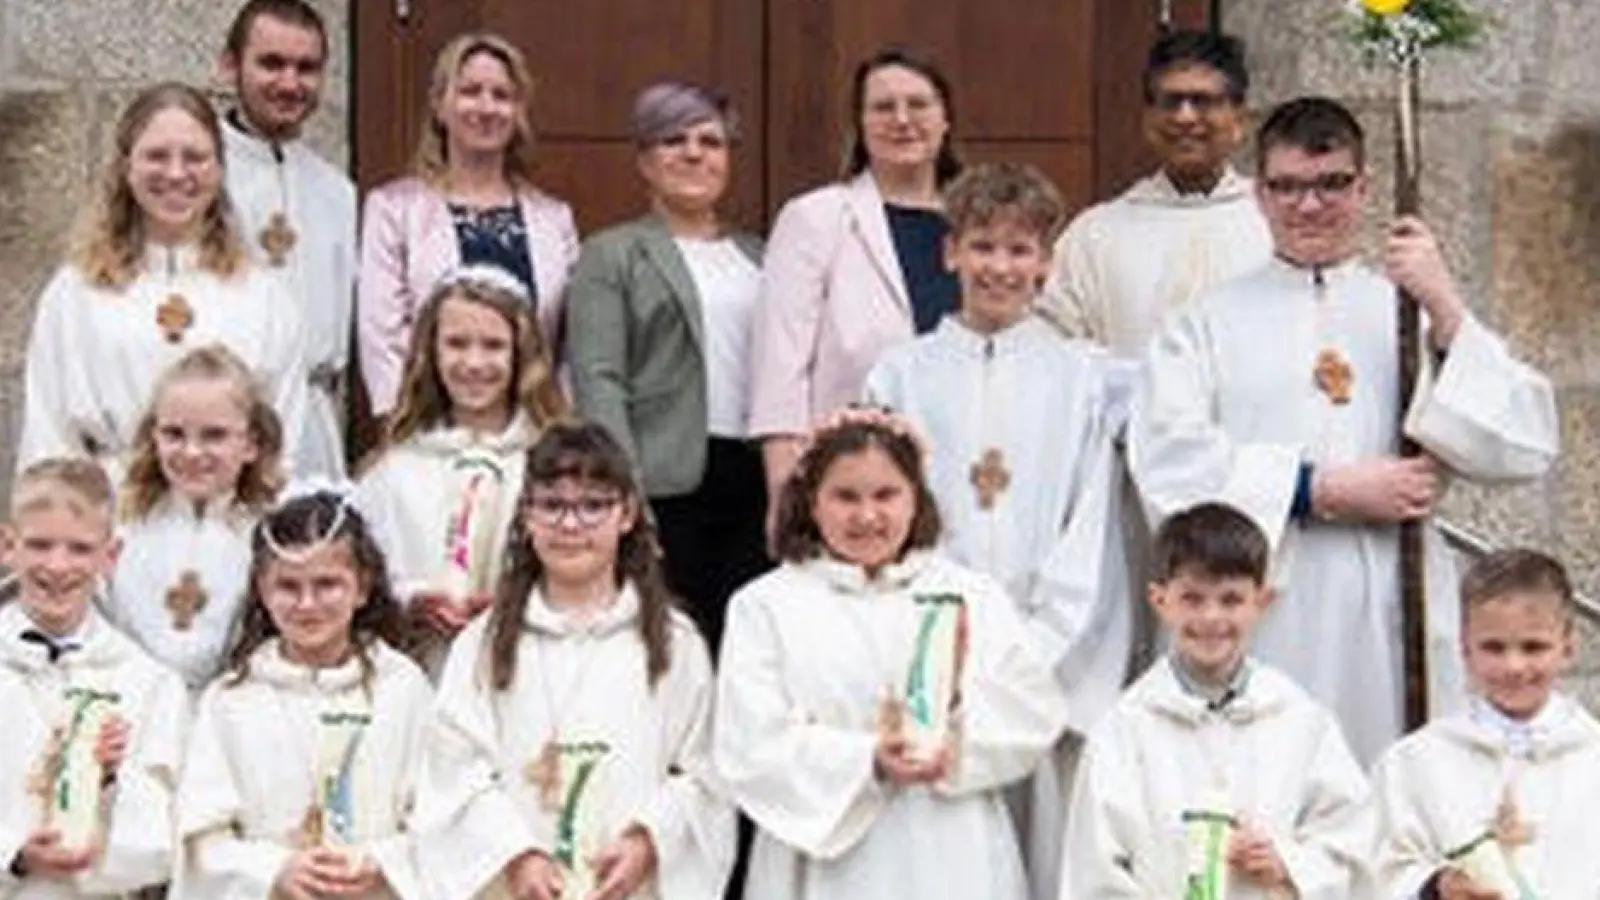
[[874, 701], [943, 637]]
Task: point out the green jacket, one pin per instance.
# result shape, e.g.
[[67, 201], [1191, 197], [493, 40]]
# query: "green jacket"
[[635, 345]]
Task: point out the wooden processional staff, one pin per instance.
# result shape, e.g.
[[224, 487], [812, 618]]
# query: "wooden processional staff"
[[1399, 32]]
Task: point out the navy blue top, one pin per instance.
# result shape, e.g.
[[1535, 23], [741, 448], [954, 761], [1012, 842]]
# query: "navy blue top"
[[919, 242], [496, 236]]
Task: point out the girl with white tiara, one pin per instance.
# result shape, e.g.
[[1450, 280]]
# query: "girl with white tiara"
[[477, 388], [874, 698], [569, 755], [299, 778], [205, 466]]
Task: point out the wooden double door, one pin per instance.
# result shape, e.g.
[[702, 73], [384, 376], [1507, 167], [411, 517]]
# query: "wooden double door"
[[1055, 83]]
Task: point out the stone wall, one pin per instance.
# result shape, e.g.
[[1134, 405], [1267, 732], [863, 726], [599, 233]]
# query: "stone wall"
[[67, 68], [1511, 136]]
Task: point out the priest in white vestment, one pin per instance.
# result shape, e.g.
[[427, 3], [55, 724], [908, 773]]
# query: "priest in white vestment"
[[1277, 393], [1124, 265], [295, 210]]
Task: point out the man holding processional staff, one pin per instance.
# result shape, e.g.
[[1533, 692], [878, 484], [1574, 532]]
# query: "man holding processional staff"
[[1278, 393]]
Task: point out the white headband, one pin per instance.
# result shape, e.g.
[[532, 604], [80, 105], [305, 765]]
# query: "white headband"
[[341, 490], [487, 275]]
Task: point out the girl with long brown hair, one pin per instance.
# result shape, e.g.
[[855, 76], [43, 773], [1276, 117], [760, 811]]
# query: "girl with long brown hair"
[[477, 390], [156, 270], [206, 464], [875, 698], [569, 756], [299, 777]]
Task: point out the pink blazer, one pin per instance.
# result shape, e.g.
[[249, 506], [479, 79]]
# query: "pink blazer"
[[408, 241], [832, 300]]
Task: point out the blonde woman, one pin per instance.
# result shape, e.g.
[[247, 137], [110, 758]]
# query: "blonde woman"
[[156, 270], [469, 200]]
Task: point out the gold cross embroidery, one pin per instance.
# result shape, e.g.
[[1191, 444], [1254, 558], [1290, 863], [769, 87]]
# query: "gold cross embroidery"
[[278, 238], [1508, 828], [185, 599], [1334, 376], [544, 773], [174, 316], [990, 477]]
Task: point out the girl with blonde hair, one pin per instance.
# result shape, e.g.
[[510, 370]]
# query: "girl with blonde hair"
[[477, 391], [470, 199], [156, 270], [206, 464]]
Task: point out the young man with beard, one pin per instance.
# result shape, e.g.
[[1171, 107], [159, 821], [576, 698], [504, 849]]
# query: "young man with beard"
[[296, 211]]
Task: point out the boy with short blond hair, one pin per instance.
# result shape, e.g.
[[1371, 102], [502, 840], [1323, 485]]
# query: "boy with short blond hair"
[[1022, 464], [1215, 775], [95, 728], [1498, 801]]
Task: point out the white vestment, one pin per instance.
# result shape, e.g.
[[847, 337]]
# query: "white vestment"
[[1051, 535], [138, 838], [318, 203], [576, 680], [253, 772], [1271, 757], [811, 649], [145, 592], [94, 354], [412, 492], [1440, 788], [1230, 409], [1124, 266]]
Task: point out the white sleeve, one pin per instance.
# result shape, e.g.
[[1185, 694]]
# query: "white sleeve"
[[692, 825], [808, 783], [1485, 414], [1178, 452]]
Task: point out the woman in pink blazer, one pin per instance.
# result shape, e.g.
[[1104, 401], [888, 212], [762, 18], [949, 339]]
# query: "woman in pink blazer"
[[857, 266], [470, 200]]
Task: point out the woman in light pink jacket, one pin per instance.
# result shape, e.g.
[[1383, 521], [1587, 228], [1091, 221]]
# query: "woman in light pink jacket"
[[857, 266], [470, 200]]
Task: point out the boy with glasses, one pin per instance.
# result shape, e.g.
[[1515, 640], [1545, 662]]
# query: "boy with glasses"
[[1278, 394]]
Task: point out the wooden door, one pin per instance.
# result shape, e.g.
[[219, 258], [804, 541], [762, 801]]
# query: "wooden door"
[[1051, 82], [588, 61]]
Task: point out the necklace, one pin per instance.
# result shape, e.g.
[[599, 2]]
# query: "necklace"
[[545, 770]]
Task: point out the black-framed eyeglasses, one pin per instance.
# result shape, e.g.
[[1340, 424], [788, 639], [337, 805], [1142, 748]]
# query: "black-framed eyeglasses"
[[1327, 186], [1201, 102], [587, 511]]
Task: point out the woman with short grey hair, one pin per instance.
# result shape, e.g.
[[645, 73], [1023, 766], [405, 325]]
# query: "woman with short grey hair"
[[658, 338]]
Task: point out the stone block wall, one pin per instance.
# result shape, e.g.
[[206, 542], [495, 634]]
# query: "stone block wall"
[[67, 68], [1511, 135]]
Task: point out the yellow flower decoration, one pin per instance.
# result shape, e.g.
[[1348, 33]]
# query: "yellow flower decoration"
[[1386, 7]]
